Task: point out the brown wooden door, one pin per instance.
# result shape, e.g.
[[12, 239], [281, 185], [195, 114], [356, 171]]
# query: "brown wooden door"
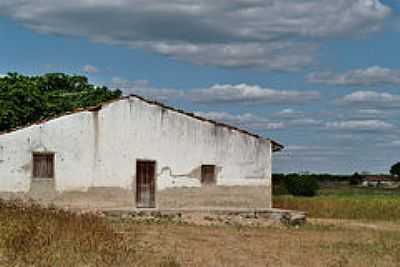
[[145, 184]]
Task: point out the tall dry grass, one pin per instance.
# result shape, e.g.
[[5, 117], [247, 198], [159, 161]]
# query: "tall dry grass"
[[32, 235]]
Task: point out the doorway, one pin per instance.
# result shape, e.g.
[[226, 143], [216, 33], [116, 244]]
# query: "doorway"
[[208, 175], [145, 184]]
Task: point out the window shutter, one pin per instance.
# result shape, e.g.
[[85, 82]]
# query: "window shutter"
[[43, 165]]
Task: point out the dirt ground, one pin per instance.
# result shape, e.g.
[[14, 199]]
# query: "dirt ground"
[[319, 243]]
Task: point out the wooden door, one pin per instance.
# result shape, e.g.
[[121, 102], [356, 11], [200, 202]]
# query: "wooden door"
[[145, 184]]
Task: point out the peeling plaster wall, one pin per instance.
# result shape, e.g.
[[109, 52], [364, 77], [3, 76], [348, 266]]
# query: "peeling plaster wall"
[[100, 148]]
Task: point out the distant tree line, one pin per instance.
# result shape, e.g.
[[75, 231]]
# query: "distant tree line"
[[309, 184], [355, 178], [27, 99], [324, 177]]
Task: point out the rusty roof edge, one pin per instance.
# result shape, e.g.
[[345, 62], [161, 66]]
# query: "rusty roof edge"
[[276, 146]]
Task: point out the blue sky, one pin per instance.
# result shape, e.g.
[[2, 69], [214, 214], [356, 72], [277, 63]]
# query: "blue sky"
[[321, 77]]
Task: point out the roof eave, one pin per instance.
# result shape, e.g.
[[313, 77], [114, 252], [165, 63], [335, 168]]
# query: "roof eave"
[[276, 147]]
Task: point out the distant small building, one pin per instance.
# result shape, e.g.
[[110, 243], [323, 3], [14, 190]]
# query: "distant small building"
[[378, 181]]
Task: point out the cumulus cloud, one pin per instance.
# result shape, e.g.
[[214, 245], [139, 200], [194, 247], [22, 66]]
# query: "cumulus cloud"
[[301, 122], [216, 94], [90, 69], [370, 76], [295, 118], [143, 88], [255, 122], [362, 125], [371, 98], [244, 93], [370, 112], [315, 150], [289, 113], [264, 34], [377, 113], [288, 56], [247, 120]]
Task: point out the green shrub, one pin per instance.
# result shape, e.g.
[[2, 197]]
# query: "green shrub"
[[301, 185], [355, 179], [278, 185]]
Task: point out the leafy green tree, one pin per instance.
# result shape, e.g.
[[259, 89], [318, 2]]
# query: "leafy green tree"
[[27, 99], [301, 185], [395, 169]]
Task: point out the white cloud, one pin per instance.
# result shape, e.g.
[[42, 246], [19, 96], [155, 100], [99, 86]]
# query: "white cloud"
[[371, 99], [305, 122], [264, 34], [295, 118], [255, 122], [273, 55], [367, 114], [247, 120], [286, 111], [216, 94], [143, 88], [289, 113], [315, 150], [90, 69], [370, 76], [242, 93], [363, 125], [372, 112]]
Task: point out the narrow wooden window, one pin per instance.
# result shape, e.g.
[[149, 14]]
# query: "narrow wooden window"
[[208, 174], [43, 165]]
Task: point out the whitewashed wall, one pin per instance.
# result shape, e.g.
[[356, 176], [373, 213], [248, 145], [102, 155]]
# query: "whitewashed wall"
[[100, 149]]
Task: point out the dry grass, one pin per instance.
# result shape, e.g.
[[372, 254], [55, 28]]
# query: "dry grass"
[[312, 245], [36, 236]]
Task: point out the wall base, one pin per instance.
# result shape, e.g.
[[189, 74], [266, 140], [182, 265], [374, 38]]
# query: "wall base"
[[173, 198], [215, 197]]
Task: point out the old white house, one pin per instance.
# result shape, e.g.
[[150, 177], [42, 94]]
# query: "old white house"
[[136, 153]]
